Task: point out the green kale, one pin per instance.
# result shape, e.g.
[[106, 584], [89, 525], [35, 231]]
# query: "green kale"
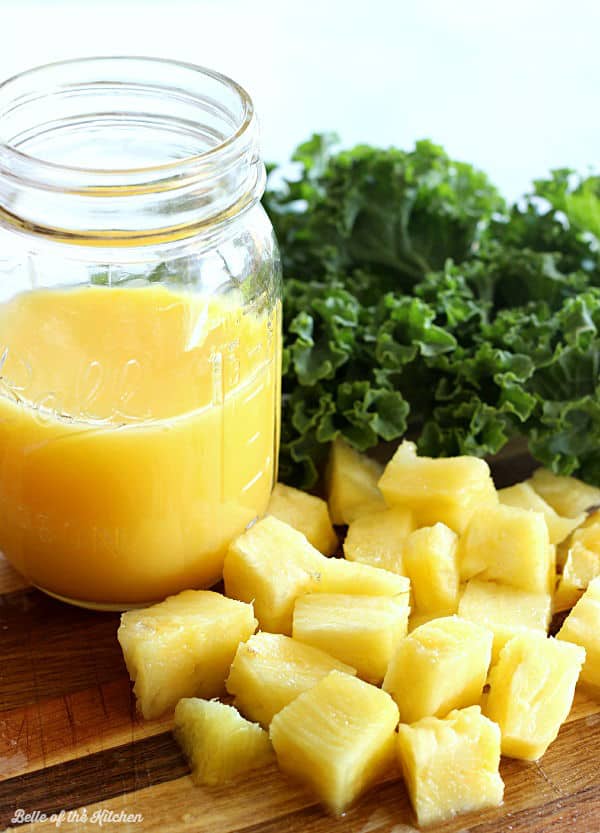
[[393, 213], [415, 300]]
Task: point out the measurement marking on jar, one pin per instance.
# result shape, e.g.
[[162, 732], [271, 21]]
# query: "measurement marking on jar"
[[254, 480], [256, 392], [257, 348], [216, 360]]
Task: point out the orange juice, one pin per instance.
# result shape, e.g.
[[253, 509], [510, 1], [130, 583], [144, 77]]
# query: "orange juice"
[[138, 431]]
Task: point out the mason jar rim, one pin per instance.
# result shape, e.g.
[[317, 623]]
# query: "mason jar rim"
[[248, 115], [190, 161]]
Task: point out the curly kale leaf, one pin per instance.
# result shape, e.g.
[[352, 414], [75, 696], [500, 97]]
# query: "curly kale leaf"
[[415, 301], [397, 214]]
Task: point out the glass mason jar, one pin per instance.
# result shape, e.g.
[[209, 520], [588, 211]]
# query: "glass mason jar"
[[140, 328]]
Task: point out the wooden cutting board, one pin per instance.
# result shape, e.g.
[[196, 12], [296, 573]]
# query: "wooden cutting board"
[[70, 741]]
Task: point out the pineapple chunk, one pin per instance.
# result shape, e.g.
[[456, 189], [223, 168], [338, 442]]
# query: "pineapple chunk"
[[562, 551], [552, 565], [351, 480], [182, 647], [306, 513], [338, 738], [431, 563], [582, 565], [447, 490], [531, 690], [354, 578], [566, 495], [589, 534], [415, 620], [524, 496], [505, 610], [362, 631], [582, 627], [378, 539], [508, 545], [270, 670], [272, 564], [218, 743], [438, 667], [592, 519], [451, 766]]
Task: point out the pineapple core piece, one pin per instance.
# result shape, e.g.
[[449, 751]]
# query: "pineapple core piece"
[[351, 480], [362, 631], [581, 567], [531, 690], [566, 495], [447, 490], [431, 563], [182, 647], [505, 610], [272, 564], [338, 738], [306, 513], [582, 627], [440, 666], [451, 766], [270, 670], [378, 539], [218, 743], [508, 545], [524, 496]]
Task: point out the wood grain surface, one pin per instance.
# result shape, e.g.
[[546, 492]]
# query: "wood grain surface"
[[70, 741]]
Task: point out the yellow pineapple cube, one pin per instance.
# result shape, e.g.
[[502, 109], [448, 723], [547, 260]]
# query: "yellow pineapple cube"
[[218, 742], [592, 518], [182, 647], [378, 538], [581, 566], [431, 563], [415, 620], [531, 690], [440, 666], [270, 670], [272, 564], [508, 545], [451, 766], [351, 480], [338, 738], [505, 610], [447, 490], [566, 495], [552, 564], [582, 627], [524, 496], [362, 631], [588, 534], [306, 513], [341, 576]]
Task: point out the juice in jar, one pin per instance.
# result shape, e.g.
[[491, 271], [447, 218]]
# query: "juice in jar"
[[138, 436]]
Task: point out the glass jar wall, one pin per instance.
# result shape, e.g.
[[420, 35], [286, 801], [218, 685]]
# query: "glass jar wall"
[[140, 343]]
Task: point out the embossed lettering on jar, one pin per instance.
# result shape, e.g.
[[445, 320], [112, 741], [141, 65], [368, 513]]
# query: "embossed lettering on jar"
[[140, 328]]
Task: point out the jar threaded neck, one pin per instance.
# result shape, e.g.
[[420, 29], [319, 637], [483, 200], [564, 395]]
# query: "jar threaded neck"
[[126, 151]]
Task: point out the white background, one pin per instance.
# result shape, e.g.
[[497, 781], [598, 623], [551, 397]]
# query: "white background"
[[512, 86]]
